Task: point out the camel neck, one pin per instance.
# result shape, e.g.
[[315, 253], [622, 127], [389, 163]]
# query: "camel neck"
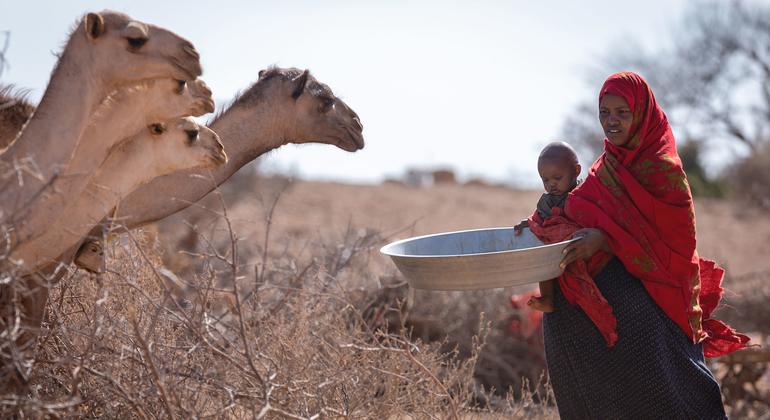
[[117, 176], [110, 122], [47, 142], [247, 134], [63, 113], [127, 166], [113, 121]]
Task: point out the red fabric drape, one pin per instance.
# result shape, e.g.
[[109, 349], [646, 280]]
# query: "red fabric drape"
[[576, 283], [638, 195]]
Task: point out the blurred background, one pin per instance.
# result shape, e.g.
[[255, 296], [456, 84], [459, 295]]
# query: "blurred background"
[[476, 88]]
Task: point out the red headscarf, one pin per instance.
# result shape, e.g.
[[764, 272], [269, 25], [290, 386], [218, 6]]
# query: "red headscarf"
[[638, 195]]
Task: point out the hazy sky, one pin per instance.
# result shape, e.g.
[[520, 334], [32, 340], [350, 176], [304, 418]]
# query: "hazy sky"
[[477, 86]]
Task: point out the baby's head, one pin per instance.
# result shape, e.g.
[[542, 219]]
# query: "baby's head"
[[558, 167]]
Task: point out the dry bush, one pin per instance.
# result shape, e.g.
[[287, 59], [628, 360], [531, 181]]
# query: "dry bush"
[[510, 361], [749, 178], [744, 375], [745, 302], [325, 335], [300, 343]]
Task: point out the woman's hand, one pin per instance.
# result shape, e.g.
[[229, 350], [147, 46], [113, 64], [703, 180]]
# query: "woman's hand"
[[592, 240]]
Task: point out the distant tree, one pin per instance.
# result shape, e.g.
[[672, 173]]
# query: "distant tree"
[[701, 183], [725, 89], [749, 177], [713, 80]]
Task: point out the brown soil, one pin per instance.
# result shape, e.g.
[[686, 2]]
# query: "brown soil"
[[735, 236]]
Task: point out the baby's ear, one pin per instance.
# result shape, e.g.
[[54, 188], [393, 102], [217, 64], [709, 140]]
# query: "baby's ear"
[[578, 168]]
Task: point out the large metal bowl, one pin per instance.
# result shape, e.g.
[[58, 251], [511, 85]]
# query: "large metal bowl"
[[476, 259]]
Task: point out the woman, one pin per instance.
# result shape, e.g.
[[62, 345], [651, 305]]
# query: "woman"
[[636, 205]]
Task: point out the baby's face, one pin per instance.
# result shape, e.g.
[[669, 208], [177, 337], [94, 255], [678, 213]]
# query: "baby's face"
[[558, 177]]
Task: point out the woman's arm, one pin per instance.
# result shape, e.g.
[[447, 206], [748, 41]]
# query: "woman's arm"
[[592, 240]]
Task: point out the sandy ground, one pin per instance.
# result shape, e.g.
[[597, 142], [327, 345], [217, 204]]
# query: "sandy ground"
[[736, 237], [311, 217]]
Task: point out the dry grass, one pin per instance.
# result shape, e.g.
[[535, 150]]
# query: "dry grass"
[[303, 342], [323, 326]]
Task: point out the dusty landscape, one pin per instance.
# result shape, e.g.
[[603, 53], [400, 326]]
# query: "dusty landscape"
[[736, 236], [311, 217], [322, 322]]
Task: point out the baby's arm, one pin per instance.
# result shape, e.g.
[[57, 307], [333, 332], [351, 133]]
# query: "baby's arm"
[[518, 228]]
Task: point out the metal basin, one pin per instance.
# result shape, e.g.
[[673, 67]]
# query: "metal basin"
[[475, 259]]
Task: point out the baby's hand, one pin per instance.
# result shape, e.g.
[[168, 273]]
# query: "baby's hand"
[[518, 228]]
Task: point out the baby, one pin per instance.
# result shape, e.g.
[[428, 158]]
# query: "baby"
[[559, 169]]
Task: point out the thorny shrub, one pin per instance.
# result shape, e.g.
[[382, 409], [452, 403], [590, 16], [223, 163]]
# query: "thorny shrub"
[[298, 344], [318, 337], [749, 178]]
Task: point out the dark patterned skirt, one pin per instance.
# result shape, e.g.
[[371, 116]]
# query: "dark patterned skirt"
[[652, 372]]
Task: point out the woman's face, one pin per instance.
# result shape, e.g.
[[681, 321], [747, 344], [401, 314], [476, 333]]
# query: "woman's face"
[[615, 116]]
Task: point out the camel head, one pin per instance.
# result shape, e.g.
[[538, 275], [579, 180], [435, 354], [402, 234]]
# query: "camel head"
[[90, 257], [184, 144], [308, 111], [167, 99], [123, 50], [200, 91]]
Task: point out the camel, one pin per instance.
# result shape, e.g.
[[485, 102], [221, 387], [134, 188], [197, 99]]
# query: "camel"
[[126, 111], [158, 150], [285, 105], [15, 110], [90, 256], [106, 50]]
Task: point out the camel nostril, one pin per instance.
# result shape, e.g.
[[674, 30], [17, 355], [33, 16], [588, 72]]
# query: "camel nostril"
[[218, 155], [205, 88], [190, 49]]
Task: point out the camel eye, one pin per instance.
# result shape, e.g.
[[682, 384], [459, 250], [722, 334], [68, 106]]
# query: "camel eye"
[[136, 42], [326, 104], [192, 135], [157, 128]]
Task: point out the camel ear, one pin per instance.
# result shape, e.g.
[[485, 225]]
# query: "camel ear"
[[301, 82], [94, 25], [261, 72]]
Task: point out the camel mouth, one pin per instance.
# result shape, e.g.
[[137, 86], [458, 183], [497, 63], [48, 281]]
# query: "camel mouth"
[[208, 105], [184, 73], [351, 144], [218, 157], [190, 71], [354, 140]]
